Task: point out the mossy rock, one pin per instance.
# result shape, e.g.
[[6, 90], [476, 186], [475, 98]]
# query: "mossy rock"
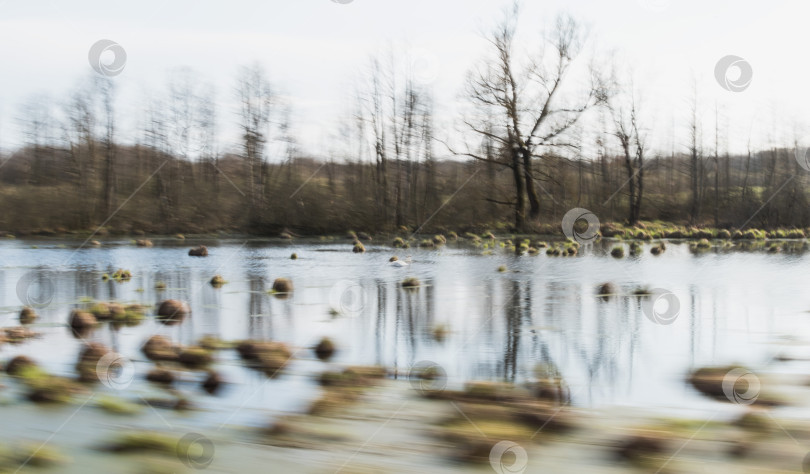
[[325, 349], [410, 283], [159, 348], [195, 357], [282, 285], [199, 251], [172, 312], [28, 315]]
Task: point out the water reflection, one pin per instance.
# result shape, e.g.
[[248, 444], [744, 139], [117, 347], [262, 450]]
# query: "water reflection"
[[500, 326]]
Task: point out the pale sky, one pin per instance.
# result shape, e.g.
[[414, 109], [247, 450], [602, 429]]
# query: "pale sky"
[[314, 49]]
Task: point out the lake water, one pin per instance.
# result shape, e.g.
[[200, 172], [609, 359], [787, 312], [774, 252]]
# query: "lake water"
[[734, 306]]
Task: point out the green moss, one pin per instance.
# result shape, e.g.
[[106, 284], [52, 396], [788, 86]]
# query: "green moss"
[[144, 441], [117, 406]]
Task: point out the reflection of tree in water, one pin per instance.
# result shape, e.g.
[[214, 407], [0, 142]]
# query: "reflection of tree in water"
[[412, 316], [513, 312], [256, 308], [379, 333], [210, 310]]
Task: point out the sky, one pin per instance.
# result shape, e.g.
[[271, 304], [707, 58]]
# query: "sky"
[[314, 50]]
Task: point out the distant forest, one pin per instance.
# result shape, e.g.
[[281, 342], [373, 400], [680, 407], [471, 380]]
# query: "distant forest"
[[520, 166]]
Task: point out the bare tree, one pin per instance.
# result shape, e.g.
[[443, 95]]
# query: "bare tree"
[[527, 100], [633, 144], [695, 159], [256, 100]]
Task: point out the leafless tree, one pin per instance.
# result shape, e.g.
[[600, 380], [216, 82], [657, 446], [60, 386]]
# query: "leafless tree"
[[256, 101], [632, 141], [528, 101]]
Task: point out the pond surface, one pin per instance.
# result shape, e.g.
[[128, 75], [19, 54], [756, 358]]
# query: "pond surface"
[[734, 307]]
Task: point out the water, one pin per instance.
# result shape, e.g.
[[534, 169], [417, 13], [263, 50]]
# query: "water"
[[734, 307]]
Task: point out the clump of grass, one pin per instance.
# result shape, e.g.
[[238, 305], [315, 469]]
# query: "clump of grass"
[[502, 269], [195, 357], [217, 281], [713, 382], [439, 332], [358, 247], [34, 455], [144, 441], [171, 312], [617, 252], [410, 283], [553, 252], [160, 285], [210, 342], [159, 348], [606, 289], [439, 239], [268, 357], [122, 275], [161, 376], [199, 251], [282, 286], [644, 449], [144, 243], [28, 315], [294, 256], [325, 349], [427, 244], [81, 321], [117, 406], [473, 237], [635, 249], [399, 242]]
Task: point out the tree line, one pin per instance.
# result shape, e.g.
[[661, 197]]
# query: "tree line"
[[517, 160]]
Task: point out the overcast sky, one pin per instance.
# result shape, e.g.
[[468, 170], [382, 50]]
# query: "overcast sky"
[[313, 50]]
